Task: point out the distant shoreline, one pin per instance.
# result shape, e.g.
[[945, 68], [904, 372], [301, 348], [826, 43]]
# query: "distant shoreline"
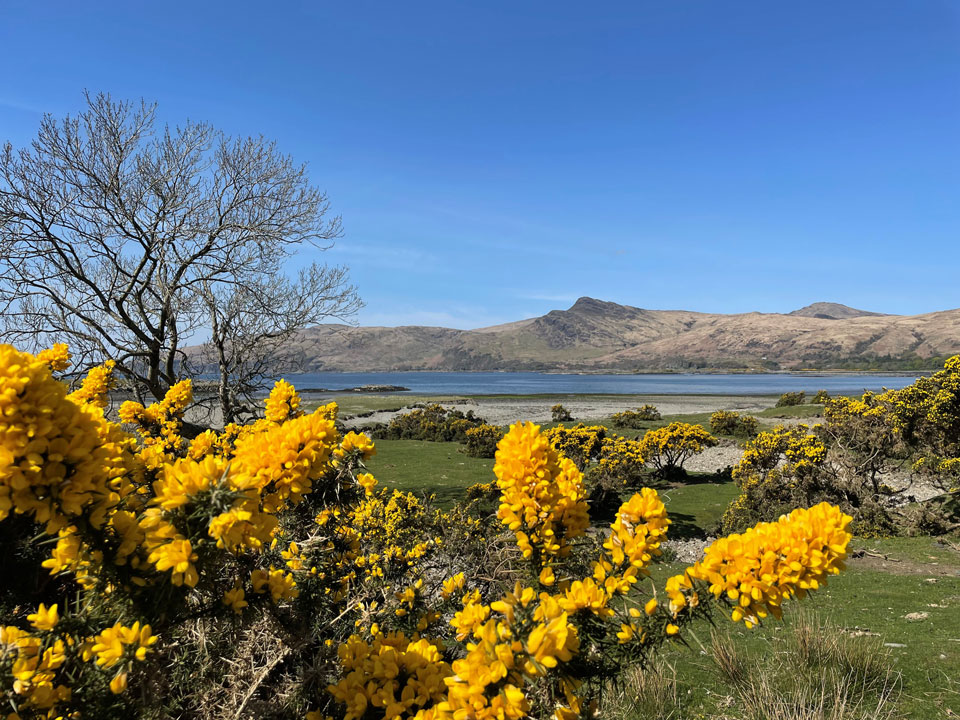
[[805, 373]]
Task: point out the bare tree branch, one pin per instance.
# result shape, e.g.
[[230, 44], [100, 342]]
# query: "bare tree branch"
[[129, 240]]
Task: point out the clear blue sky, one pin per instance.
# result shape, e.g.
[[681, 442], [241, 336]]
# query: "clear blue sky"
[[495, 160]]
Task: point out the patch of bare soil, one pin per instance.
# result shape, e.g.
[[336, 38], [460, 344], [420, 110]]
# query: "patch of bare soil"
[[715, 459], [936, 569]]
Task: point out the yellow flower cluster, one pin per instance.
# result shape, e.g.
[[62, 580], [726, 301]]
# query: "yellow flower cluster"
[[640, 526], [526, 640], [283, 403], [769, 563], [279, 583], [269, 471], [56, 358], [385, 536], [34, 665], [121, 642], [542, 499], [669, 447], [581, 443], [804, 451], [159, 423], [400, 677], [35, 660], [621, 459], [355, 444], [58, 460], [95, 386]]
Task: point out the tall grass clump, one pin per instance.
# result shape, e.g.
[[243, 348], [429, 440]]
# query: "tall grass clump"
[[821, 674]]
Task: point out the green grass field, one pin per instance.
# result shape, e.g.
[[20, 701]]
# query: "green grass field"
[[428, 467], [697, 507], [870, 600], [792, 411]]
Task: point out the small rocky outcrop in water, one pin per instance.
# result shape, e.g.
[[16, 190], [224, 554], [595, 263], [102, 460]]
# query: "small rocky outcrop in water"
[[360, 389]]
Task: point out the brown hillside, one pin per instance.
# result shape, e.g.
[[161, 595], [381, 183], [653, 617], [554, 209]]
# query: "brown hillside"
[[593, 335]]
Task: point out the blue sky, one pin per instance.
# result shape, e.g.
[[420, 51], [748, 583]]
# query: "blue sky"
[[495, 160]]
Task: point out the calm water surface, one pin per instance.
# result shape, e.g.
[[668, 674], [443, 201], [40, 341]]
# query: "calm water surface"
[[529, 383]]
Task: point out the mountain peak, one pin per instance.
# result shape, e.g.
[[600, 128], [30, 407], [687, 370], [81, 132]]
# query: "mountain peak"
[[832, 311], [592, 304]]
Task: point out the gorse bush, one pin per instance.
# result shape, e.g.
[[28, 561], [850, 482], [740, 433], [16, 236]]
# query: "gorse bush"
[[621, 460], [635, 418], [558, 413], [776, 469], [727, 422], [610, 464], [481, 441], [821, 398], [259, 572], [433, 422], [789, 399], [668, 448], [580, 443], [848, 459]]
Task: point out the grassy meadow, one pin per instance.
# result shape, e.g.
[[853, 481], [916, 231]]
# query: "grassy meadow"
[[884, 635]]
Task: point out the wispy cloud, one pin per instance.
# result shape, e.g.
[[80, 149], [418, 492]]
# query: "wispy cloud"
[[400, 257], [15, 104], [458, 318]]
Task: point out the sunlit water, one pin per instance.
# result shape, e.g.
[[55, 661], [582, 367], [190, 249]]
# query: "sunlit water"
[[530, 383]]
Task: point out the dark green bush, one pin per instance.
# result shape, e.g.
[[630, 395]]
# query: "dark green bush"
[[792, 398], [432, 422], [636, 418], [560, 414], [481, 441], [727, 422]]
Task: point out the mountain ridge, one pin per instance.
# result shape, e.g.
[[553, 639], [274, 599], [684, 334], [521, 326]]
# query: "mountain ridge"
[[832, 311], [601, 336]]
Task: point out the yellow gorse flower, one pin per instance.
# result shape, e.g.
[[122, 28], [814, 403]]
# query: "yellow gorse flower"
[[119, 642], [283, 402], [543, 499], [769, 563], [44, 618]]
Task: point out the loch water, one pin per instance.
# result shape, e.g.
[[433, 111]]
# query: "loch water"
[[533, 383]]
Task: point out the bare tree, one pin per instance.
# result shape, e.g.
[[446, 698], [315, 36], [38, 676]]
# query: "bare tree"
[[251, 322], [122, 238]]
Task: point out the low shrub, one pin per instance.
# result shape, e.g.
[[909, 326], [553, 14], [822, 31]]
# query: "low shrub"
[[620, 459], [434, 423], [559, 413], [821, 398], [667, 448], [481, 441], [790, 465], [789, 399], [581, 443], [636, 418], [726, 422]]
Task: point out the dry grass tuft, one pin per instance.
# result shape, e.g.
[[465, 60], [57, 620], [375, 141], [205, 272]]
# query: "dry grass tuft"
[[822, 675], [649, 693]]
